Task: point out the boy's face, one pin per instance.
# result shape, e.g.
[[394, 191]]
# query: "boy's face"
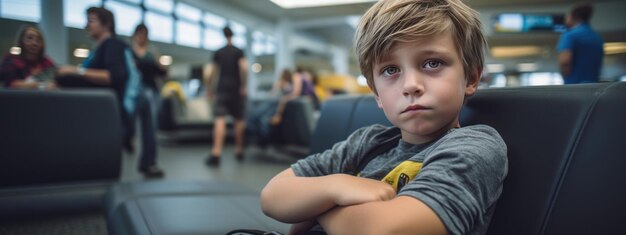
[[421, 86]]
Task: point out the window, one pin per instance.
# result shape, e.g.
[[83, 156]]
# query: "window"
[[75, 12], [163, 6], [258, 43], [214, 21], [270, 46], [188, 34], [262, 44], [136, 2], [186, 12], [160, 27], [214, 39], [28, 10], [127, 17], [239, 37]]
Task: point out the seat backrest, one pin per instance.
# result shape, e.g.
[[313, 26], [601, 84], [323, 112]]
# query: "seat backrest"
[[342, 115], [541, 126], [58, 137], [297, 125], [591, 196]]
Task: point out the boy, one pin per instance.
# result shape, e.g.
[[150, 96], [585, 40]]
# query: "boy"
[[421, 59]]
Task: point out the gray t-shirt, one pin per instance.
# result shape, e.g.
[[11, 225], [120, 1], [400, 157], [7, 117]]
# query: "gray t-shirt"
[[459, 176]]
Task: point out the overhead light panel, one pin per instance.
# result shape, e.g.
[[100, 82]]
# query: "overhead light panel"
[[611, 48], [81, 53], [527, 67], [290, 4], [495, 68], [15, 50], [166, 60], [515, 51]]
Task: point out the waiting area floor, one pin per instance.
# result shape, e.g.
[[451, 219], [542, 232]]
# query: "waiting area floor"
[[185, 160]]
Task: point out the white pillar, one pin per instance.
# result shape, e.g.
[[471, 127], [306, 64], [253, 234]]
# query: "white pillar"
[[284, 55], [340, 60], [251, 58], [55, 33]]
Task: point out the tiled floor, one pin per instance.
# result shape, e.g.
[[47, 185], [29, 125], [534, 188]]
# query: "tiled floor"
[[185, 160]]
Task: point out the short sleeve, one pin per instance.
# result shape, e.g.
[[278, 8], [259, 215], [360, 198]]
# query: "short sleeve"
[[240, 54], [565, 42], [461, 179], [343, 157]]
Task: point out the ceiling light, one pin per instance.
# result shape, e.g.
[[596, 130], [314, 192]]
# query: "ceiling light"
[[165, 60], [527, 67], [256, 67], [495, 68], [288, 4], [514, 51], [15, 50], [81, 52]]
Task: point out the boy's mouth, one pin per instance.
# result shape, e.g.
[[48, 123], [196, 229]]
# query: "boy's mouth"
[[413, 107]]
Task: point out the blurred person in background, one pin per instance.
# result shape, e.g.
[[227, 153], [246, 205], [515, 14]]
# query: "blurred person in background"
[[111, 65], [151, 70], [580, 49], [230, 96], [30, 68]]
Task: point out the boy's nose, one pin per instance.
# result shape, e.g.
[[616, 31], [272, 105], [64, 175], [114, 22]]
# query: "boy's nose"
[[412, 84]]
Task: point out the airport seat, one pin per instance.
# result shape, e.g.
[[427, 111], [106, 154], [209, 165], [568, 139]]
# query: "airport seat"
[[297, 124], [59, 150], [565, 148]]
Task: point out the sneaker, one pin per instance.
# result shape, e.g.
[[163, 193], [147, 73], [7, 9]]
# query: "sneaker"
[[151, 171], [213, 161]]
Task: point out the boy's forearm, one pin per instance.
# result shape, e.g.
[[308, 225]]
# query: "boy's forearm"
[[293, 199], [401, 216]]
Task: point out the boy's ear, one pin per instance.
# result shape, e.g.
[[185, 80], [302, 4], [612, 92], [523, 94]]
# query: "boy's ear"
[[472, 82], [380, 103]]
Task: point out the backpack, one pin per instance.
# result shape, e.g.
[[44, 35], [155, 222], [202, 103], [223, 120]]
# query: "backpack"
[[133, 83]]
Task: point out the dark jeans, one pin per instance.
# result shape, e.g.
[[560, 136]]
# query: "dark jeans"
[[258, 126], [143, 111]]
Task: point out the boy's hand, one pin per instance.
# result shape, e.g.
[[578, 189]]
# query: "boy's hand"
[[351, 190]]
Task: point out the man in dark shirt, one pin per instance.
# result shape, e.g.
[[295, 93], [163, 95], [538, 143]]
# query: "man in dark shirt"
[[230, 96]]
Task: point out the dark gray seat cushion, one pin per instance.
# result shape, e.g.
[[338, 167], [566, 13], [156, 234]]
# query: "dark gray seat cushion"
[[185, 207]]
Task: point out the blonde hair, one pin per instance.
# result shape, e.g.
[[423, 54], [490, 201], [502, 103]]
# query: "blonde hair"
[[399, 21]]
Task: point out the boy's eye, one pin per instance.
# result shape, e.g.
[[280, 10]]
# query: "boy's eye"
[[391, 70], [432, 64]]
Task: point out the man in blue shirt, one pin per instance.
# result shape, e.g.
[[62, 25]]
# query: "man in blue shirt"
[[580, 49]]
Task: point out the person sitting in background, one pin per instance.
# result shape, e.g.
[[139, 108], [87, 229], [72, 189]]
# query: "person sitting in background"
[[580, 49], [31, 68], [292, 87], [109, 66]]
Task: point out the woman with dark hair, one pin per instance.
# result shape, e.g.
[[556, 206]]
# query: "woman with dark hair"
[[111, 64], [30, 68], [151, 70]]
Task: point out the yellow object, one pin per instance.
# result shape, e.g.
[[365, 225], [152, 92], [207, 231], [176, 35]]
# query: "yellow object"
[[402, 174], [173, 88], [347, 84]]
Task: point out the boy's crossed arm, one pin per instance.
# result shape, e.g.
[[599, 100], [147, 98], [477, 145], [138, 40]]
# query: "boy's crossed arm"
[[345, 204]]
